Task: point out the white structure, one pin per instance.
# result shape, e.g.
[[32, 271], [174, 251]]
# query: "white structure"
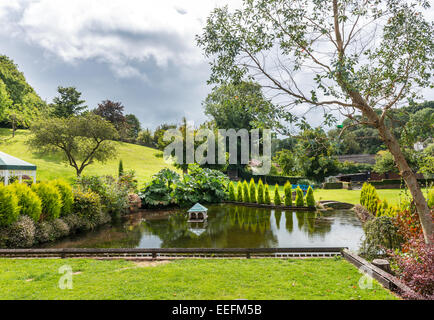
[[14, 167]]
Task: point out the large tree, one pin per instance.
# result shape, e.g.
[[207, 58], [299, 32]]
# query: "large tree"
[[68, 103], [359, 56], [114, 112], [81, 139]]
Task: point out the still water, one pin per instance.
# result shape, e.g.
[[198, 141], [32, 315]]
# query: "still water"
[[228, 226]]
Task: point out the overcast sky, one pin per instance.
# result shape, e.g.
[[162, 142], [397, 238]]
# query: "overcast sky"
[[142, 53]]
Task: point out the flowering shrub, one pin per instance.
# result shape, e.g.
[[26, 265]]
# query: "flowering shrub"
[[415, 268]]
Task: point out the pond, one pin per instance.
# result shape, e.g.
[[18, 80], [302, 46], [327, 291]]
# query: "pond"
[[227, 226]]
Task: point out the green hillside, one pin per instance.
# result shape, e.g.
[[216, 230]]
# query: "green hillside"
[[136, 157]]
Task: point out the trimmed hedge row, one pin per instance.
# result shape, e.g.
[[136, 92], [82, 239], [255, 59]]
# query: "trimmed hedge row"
[[269, 179], [249, 193]]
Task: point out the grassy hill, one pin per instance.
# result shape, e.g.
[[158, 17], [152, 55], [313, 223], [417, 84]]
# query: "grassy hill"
[[136, 157]]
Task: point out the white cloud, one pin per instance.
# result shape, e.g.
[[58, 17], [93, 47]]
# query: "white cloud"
[[116, 32]]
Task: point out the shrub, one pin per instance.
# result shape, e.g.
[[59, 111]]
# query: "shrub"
[[201, 185], [21, 234], [381, 234], [287, 190], [231, 191], [416, 268], [128, 181], [369, 198], [9, 209], [28, 201], [66, 195], [332, 185], [299, 200], [310, 200], [74, 222], [267, 199], [50, 198], [159, 191], [260, 198], [121, 168], [246, 192], [252, 190], [240, 197], [277, 200], [60, 228], [44, 232], [87, 204]]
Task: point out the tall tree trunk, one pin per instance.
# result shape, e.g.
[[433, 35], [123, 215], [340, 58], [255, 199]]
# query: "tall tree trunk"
[[411, 181]]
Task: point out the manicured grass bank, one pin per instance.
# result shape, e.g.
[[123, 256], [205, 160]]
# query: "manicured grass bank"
[[141, 159], [187, 279]]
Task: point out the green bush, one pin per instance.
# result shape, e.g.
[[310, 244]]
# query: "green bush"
[[277, 200], [44, 232], [66, 195], [231, 188], [299, 199], [240, 197], [246, 192], [50, 198], [252, 190], [310, 200], [87, 204], [287, 190], [267, 199], [21, 233], [369, 198], [332, 185], [60, 228], [380, 234], [260, 198], [28, 201], [9, 209]]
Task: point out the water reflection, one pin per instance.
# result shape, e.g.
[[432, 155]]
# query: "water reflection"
[[227, 226]]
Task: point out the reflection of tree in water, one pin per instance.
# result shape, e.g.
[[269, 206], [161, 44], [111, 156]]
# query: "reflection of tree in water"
[[289, 222], [300, 219], [278, 216], [227, 226]]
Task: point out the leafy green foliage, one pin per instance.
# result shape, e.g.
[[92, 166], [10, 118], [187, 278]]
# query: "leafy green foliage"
[[246, 192], [68, 103], [231, 189], [159, 191], [431, 197], [287, 190], [260, 198], [310, 200], [87, 204], [277, 199], [369, 198], [267, 199], [81, 139], [252, 190], [201, 185], [28, 201], [9, 209], [113, 194], [66, 195], [385, 161], [120, 168], [286, 161], [50, 198], [299, 199], [380, 234], [240, 196]]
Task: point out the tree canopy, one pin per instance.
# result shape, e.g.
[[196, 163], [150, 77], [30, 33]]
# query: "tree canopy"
[[68, 103]]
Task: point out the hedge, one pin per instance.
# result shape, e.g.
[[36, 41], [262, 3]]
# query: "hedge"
[[269, 179], [332, 185]]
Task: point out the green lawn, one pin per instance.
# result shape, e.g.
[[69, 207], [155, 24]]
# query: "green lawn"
[[187, 279], [136, 157]]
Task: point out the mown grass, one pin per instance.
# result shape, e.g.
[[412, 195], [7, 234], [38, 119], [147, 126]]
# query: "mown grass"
[[139, 158], [187, 279]]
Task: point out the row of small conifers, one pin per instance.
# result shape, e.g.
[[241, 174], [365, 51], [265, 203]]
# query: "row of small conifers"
[[260, 194]]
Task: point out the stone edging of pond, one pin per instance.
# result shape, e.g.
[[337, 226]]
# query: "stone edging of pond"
[[386, 279], [271, 206]]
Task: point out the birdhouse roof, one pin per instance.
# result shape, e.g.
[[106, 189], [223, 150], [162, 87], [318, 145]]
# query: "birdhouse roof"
[[198, 208]]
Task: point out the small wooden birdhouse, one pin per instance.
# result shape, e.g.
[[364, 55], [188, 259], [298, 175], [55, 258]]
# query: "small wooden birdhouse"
[[197, 213]]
